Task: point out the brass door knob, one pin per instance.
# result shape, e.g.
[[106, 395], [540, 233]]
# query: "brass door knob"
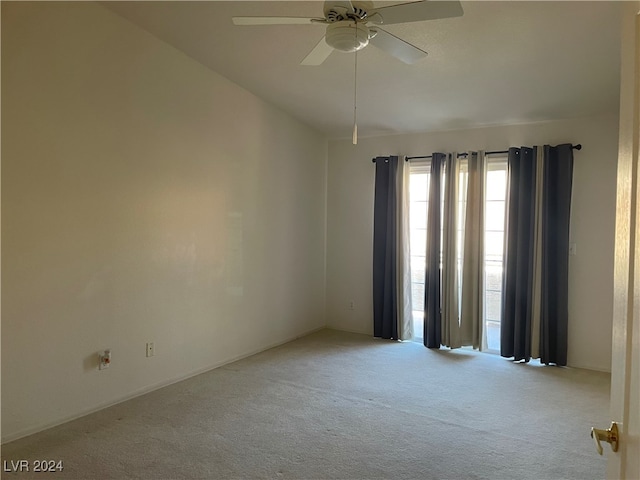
[[610, 435]]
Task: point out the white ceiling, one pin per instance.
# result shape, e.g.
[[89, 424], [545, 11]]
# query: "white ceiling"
[[501, 62]]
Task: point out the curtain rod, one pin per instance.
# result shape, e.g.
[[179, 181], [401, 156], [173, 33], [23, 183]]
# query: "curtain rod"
[[576, 147]]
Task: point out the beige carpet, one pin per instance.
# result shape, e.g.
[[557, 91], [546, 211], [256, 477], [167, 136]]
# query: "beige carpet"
[[340, 405]]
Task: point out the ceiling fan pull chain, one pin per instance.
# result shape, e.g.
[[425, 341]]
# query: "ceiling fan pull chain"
[[355, 91]]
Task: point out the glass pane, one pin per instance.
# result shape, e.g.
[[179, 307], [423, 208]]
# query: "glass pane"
[[419, 187], [496, 184], [417, 296], [417, 269], [494, 215], [418, 215], [419, 207], [493, 242], [496, 192], [492, 306], [493, 336], [418, 322], [418, 241], [493, 277]]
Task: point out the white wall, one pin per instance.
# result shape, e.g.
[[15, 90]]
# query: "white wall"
[[350, 221], [144, 198]]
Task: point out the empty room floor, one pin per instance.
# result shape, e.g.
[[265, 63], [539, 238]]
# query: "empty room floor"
[[342, 405]]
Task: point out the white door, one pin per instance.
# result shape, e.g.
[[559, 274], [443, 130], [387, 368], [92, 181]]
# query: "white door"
[[625, 367]]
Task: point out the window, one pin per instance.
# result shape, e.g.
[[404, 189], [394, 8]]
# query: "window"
[[494, 213], [418, 208], [495, 201]]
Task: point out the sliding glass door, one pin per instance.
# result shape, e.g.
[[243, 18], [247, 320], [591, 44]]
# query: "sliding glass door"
[[494, 210], [418, 207], [494, 213]]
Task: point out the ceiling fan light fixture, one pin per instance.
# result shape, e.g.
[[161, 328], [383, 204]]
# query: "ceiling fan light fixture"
[[343, 37]]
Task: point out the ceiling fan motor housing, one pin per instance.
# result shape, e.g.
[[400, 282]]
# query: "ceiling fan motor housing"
[[347, 36]]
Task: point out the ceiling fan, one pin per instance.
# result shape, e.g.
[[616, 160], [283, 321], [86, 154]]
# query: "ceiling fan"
[[351, 26]]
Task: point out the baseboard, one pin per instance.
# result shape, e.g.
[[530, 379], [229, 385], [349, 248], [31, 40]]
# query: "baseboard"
[[151, 388], [590, 367], [339, 329]]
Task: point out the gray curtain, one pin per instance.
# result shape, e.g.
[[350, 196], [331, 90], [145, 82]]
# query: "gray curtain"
[[471, 327], [454, 278], [517, 300], [450, 300], [556, 213], [385, 300], [520, 300], [403, 266], [432, 335]]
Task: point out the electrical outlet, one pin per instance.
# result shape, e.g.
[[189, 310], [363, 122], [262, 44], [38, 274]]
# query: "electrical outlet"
[[105, 359], [352, 305], [150, 349]]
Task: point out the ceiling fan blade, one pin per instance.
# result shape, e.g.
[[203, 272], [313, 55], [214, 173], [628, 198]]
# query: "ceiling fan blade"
[[319, 53], [397, 47], [276, 20], [418, 11]]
